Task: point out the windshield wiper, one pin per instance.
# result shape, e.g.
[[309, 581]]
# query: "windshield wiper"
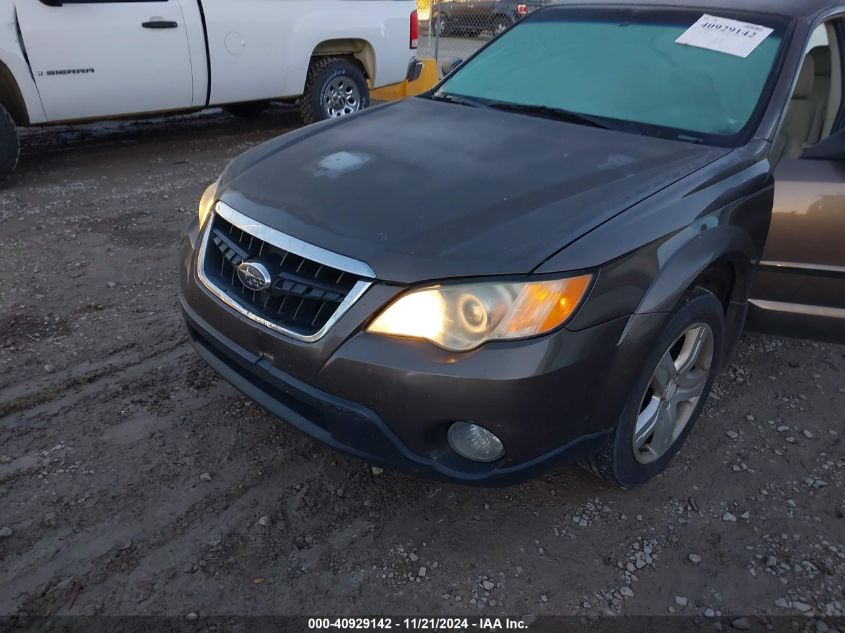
[[450, 98], [549, 112], [537, 110]]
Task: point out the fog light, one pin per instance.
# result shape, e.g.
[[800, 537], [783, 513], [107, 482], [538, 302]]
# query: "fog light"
[[475, 442]]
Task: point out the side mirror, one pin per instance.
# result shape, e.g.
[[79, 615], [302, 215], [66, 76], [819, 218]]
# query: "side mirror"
[[832, 148], [449, 66]]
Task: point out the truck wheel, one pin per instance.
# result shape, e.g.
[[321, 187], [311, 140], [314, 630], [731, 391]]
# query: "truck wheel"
[[247, 109], [442, 26], [9, 145], [335, 87], [667, 396]]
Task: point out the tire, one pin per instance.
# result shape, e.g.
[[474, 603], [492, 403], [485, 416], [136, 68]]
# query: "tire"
[[442, 27], [247, 109], [620, 461], [9, 145], [333, 78]]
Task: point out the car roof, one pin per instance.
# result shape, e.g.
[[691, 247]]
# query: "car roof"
[[802, 9]]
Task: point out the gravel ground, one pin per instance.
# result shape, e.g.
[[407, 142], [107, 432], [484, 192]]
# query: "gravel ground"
[[134, 481]]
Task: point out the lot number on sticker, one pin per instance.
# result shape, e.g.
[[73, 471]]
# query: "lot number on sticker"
[[725, 36]]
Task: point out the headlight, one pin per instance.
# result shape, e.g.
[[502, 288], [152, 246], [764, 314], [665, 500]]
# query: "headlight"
[[209, 197], [462, 317]]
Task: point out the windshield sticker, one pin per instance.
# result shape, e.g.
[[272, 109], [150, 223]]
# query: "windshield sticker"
[[725, 36]]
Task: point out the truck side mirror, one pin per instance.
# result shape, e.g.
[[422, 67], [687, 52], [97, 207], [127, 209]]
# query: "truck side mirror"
[[449, 66]]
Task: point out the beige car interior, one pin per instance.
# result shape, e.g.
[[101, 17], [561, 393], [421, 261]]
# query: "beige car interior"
[[815, 102]]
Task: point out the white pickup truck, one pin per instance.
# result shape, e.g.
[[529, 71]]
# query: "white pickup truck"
[[74, 60]]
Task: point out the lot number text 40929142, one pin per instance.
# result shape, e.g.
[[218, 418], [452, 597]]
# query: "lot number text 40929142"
[[418, 624]]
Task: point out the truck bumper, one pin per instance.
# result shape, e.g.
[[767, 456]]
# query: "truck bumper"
[[422, 76]]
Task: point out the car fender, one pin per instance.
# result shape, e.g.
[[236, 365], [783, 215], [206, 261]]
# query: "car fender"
[[18, 92], [672, 266], [646, 257], [730, 239], [656, 251], [689, 253]]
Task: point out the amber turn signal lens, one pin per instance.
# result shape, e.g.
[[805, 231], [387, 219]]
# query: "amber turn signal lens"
[[566, 302], [544, 305]]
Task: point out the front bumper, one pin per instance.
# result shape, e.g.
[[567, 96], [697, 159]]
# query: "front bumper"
[[391, 401]]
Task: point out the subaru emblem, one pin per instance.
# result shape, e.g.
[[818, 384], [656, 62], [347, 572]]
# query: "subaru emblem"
[[254, 276]]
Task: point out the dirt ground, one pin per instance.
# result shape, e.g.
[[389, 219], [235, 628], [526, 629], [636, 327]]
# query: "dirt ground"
[[134, 481]]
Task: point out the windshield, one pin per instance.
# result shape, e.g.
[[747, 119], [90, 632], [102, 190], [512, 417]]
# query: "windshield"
[[623, 67]]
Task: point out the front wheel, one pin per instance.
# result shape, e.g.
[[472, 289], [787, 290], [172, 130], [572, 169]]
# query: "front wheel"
[[335, 87], [668, 395], [9, 145], [442, 26]]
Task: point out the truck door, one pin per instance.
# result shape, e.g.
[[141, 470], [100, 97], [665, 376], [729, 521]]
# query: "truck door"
[[102, 58], [799, 287]]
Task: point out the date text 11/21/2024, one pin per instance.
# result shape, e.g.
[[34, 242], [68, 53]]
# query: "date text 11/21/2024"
[[418, 624]]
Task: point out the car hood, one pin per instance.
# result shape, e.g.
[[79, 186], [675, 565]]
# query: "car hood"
[[423, 190]]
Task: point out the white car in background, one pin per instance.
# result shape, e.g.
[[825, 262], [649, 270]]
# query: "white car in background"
[[75, 60]]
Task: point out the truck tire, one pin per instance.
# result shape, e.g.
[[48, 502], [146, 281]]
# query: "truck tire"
[[442, 26], [335, 87], [9, 144], [247, 109]]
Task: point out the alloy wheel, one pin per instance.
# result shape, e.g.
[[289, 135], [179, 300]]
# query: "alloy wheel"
[[341, 97], [675, 389]]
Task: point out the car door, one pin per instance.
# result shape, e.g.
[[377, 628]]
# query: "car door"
[[484, 13], [799, 287], [104, 58]]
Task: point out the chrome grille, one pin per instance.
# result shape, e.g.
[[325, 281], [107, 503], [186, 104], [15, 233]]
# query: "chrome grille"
[[307, 292]]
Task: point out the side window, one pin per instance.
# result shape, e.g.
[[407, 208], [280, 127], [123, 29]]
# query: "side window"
[[817, 99]]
